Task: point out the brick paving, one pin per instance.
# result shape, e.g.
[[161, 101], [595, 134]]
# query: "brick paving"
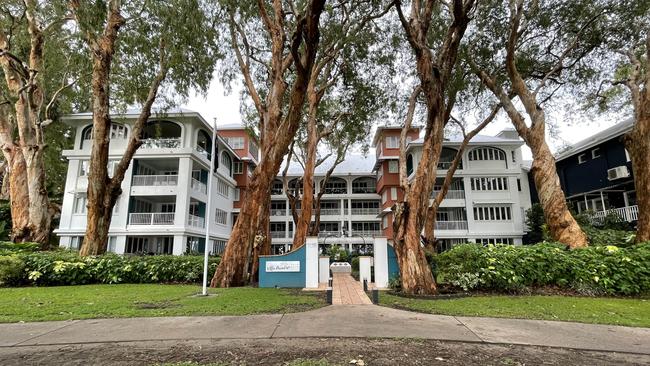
[[347, 291]]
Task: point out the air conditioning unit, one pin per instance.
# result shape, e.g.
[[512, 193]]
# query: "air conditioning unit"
[[618, 172]]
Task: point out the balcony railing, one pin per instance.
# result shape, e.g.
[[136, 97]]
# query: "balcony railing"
[[155, 180], [278, 234], [367, 233], [628, 213], [328, 211], [443, 165], [452, 194], [151, 218], [203, 152], [364, 189], [196, 221], [199, 186], [365, 211], [451, 225], [169, 143], [336, 190], [276, 191], [278, 211]]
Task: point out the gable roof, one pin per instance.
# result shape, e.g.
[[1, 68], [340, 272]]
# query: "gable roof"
[[353, 164], [602, 136]]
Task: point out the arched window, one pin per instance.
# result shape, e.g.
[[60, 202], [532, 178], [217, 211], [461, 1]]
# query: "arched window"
[[487, 153], [117, 131], [409, 164], [276, 187], [161, 134], [447, 156], [204, 144], [364, 185], [227, 162], [336, 185]]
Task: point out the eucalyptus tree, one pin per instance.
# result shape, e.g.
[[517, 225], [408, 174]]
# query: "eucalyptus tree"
[[40, 62], [273, 47], [536, 51], [627, 83], [137, 49], [434, 31], [344, 95]]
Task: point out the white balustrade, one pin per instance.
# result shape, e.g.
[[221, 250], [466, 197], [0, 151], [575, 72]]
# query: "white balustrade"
[[198, 186], [196, 221], [451, 225], [155, 180], [151, 218], [167, 143], [628, 213], [365, 210], [452, 194]]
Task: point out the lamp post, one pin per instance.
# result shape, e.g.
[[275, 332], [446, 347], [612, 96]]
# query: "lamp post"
[[208, 209]]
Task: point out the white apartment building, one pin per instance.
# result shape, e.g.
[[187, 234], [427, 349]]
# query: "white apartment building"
[[162, 208]]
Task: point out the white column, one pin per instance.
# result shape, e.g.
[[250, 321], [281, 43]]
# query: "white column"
[[179, 245], [311, 262], [380, 250], [120, 244], [365, 262], [183, 193], [469, 204], [323, 269]]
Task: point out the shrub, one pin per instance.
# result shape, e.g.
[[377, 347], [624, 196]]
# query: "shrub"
[[68, 268], [7, 247], [594, 270], [11, 270]]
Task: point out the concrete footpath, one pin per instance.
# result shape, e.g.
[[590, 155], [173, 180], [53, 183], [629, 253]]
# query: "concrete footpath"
[[367, 321]]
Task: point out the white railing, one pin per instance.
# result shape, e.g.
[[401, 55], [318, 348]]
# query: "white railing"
[[169, 143], [442, 165], [276, 191], [365, 211], [335, 190], [451, 225], [203, 152], [328, 211], [366, 233], [278, 212], [195, 221], [364, 190], [452, 194], [628, 213], [278, 234], [151, 218], [155, 180], [199, 186], [329, 233]]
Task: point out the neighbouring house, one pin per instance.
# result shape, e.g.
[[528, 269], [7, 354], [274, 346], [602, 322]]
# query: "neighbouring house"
[[596, 175], [162, 209]]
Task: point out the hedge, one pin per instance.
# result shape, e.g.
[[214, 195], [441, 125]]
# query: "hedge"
[[596, 270], [68, 268]]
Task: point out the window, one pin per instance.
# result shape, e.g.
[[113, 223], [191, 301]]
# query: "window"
[[385, 222], [237, 194], [384, 197], [595, 153], [492, 213], [80, 203], [223, 188], [336, 186], [329, 227], [218, 246], [366, 227], [238, 167], [380, 172], [252, 149], [514, 157], [221, 217], [235, 142], [393, 193], [487, 153], [490, 184], [393, 166], [627, 155], [84, 168], [582, 158], [392, 142], [226, 161], [112, 244], [409, 164], [76, 241], [519, 184]]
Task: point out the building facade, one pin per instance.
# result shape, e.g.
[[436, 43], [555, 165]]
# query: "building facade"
[[162, 209], [596, 174]]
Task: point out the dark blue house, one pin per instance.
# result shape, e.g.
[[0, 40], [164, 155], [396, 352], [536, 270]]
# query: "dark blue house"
[[596, 174]]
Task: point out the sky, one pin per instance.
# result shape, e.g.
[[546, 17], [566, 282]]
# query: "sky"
[[225, 107]]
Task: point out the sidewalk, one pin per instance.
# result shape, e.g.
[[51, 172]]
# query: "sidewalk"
[[332, 321]]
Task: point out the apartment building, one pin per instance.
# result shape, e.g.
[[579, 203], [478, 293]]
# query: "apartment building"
[[162, 209]]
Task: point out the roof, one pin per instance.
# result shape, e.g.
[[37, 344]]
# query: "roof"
[[232, 126], [602, 136], [476, 140], [353, 164]]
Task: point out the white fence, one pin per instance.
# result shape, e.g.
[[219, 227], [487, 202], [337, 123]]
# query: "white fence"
[[196, 221], [155, 180], [151, 218], [629, 214]]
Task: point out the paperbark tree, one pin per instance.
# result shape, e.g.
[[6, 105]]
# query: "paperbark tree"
[[546, 48], [29, 29], [436, 52], [167, 36], [294, 39]]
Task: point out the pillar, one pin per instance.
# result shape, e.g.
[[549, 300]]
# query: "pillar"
[[311, 262], [365, 263], [380, 250], [323, 269]]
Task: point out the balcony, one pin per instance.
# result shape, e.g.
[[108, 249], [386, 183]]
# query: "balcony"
[[198, 186], [451, 225], [278, 212], [278, 234], [329, 211], [367, 233], [364, 190], [155, 180], [196, 221], [444, 165], [628, 213], [165, 143], [203, 152], [151, 218], [452, 194], [364, 211]]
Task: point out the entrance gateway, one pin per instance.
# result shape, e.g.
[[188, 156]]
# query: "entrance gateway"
[[303, 268]]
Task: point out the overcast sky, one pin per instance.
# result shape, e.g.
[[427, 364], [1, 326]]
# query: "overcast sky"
[[226, 109]]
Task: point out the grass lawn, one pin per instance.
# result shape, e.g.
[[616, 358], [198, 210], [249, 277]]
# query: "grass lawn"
[[122, 301], [616, 311]]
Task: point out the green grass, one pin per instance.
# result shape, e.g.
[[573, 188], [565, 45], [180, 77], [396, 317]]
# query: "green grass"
[[616, 311], [123, 301]]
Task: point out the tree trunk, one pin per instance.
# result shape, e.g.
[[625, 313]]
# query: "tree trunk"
[[304, 219], [637, 142], [561, 224], [18, 193], [263, 241]]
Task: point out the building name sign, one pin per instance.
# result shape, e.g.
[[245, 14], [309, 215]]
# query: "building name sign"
[[283, 266]]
